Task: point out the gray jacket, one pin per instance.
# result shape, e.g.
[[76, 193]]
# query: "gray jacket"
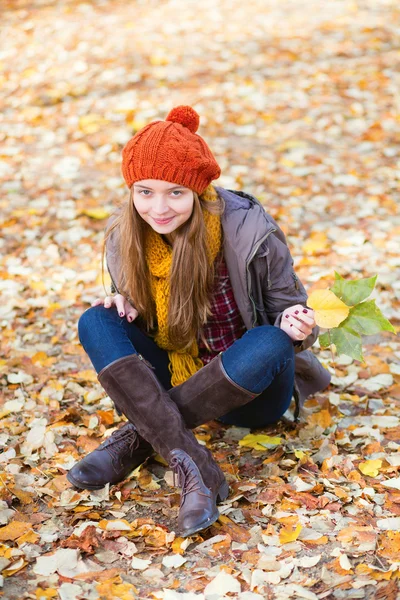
[[262, 277]]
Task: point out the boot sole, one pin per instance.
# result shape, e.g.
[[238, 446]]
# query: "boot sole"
[[222, 495], [84, 486], [201, 527]]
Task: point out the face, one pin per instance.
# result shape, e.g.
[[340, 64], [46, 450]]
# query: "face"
[[163, 205]]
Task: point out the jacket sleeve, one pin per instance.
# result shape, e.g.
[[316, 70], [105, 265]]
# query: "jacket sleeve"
[[281, 286]]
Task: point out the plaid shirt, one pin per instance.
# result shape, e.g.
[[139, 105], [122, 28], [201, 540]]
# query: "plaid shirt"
[[225, 325]]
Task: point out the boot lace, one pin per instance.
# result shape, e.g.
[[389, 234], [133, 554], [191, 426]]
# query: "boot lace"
[[186, 476], [122, 441]]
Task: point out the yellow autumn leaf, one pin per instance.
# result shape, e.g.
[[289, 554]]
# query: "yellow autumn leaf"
[[5, 551], [16, 566], [30, 537], [159, 60], [51, 308], [290, 144], [23, 496], [299, 454], [42, 359], [146, 481], [321, 418], [96, 213], [287, 163], [114, 525], [14, 530], [136, 124], [330, 311], [288, 534], [113, 589], [86, 375], [38, 286], [318, 542], [178, 545], [318, 243], [91, 123], [370, 467], [259, 442], [43, 594]]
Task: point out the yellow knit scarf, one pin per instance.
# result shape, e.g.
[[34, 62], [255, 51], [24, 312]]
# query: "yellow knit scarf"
[[183, 363]]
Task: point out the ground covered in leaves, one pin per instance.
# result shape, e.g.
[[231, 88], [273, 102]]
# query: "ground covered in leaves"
[[298, 102]]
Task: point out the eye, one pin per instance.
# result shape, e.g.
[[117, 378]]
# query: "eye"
[[145, 192], [177, 192]]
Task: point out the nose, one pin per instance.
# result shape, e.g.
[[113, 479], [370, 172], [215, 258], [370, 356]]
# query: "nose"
[[160, 205]]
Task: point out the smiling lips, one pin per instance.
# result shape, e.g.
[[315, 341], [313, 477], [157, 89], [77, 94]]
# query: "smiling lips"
[[162, 221]]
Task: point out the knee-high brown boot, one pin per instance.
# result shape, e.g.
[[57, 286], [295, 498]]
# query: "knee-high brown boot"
[[132, 385], [207, 395]]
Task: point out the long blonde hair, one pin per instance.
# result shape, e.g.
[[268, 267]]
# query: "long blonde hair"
[[191, 277]]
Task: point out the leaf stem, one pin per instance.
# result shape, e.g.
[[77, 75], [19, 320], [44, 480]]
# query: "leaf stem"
[[6, 487], [330, 346]]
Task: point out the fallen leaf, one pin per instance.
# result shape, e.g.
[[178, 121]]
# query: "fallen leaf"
[[370, 467], [393, 483], [140, 563], [259, 441], [174, 561], [14, 530], [389, 524], [322, 418], [221, 585], [287, 535]]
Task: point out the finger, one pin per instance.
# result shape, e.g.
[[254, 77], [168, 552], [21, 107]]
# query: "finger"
[[97, 302], [304, 320], [131, 314], [130, 311], [297, 334], [119, 303], [300, 316], [107, 301], [292, 332], [298, 326], [299, 320], [300, 311]]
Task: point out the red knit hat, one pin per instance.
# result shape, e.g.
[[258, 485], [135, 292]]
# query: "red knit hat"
[[171, 150]]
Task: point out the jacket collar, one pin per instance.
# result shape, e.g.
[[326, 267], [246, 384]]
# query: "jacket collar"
[[244, 222]]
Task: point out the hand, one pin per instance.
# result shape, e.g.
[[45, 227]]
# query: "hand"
[[298, 322], [122, 305]]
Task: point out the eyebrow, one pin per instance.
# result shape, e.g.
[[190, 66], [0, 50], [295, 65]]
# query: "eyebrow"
[[175, 187]]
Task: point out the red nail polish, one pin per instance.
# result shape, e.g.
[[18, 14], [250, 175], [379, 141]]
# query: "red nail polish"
[[305, 311], [287, 316], [291, 325], [296, 312], [121, 314]]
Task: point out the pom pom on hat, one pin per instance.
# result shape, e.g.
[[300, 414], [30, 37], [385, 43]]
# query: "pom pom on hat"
[[171, 150], [186, 116]]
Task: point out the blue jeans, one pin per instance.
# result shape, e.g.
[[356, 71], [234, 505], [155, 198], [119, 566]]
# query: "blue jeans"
[[261, 361]]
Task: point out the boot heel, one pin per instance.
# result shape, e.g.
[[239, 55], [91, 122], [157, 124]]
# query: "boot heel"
[[223, 492]]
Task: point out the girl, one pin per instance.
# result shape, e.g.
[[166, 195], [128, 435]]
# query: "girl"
[[208, 320]]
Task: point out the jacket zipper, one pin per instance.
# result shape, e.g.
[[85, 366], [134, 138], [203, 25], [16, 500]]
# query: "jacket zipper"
[[248, 274]]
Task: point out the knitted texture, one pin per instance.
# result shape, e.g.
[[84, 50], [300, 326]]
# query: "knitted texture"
[[171, 150], [183, 363]]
